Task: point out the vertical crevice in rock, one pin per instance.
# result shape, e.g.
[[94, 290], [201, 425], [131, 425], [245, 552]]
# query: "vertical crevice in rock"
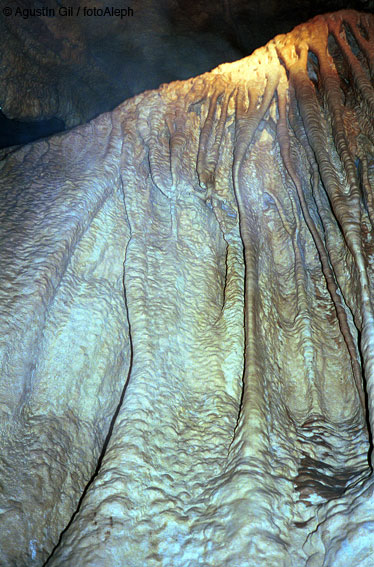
[[249, 113], [211, 138], [313, 67], [206, 166], [159, 154], [175, 121]]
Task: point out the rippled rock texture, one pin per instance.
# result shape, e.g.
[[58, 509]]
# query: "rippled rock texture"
[[187, 320]]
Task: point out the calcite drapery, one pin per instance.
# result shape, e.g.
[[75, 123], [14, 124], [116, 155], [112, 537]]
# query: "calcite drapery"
[[187, 320]]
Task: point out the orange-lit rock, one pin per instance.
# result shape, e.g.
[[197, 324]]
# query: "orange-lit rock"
[[187, 320]]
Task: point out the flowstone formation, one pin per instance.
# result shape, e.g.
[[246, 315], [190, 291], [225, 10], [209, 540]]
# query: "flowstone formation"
[[187, 320]]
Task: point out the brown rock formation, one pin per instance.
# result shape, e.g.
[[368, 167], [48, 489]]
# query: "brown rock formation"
[[187, 320]]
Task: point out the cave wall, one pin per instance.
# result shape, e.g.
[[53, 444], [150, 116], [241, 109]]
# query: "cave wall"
[[187, 320]]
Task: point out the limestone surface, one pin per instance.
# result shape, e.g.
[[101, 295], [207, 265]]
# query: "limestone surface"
[[187, 321]]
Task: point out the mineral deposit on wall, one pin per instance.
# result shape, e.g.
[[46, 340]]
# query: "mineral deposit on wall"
[[187, 329]]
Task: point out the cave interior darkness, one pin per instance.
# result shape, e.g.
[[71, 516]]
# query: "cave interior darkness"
[[199, 37]]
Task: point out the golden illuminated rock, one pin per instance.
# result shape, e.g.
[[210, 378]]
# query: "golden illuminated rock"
[[187, 320]]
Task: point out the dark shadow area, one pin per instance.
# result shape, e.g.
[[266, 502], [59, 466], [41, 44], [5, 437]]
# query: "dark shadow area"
[[14, 133]]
